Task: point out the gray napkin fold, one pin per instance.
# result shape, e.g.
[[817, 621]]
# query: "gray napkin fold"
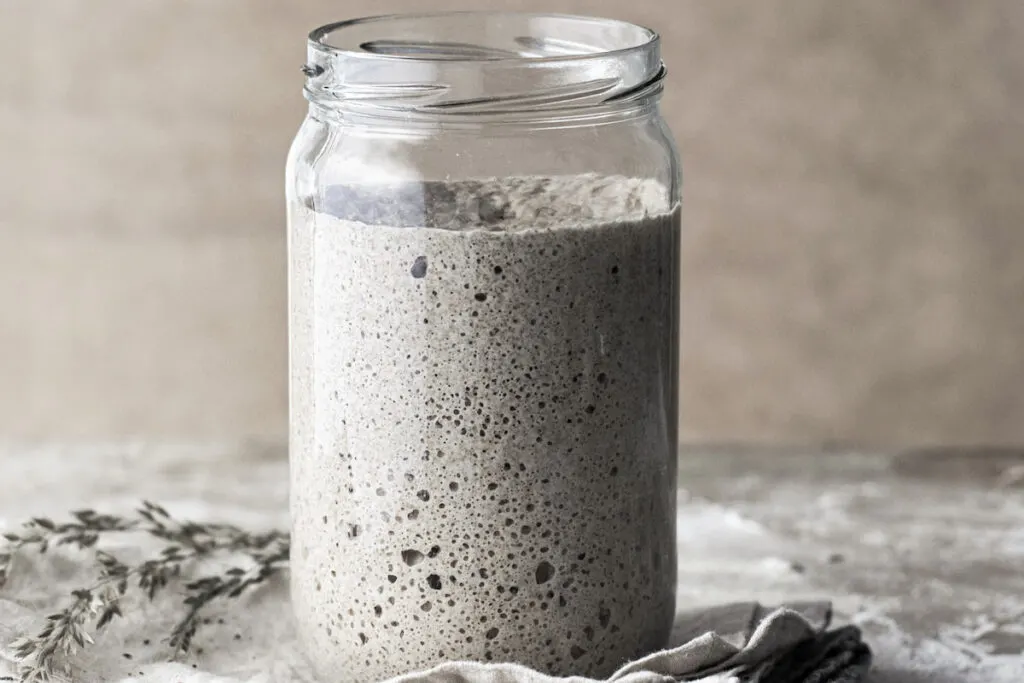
[[743, 642], [837, 656]]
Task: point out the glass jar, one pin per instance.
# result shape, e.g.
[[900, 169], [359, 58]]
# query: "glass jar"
[[484, 251]]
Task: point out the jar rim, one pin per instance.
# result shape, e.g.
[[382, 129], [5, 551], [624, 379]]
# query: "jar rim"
[[647, 39], [484, 64]]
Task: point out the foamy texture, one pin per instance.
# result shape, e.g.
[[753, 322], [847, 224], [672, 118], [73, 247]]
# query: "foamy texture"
[[483, 432]]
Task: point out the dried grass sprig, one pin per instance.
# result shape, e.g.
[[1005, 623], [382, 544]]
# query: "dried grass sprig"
[[91, 609]]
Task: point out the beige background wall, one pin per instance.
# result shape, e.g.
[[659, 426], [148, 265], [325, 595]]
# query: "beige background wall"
[[854, 211]]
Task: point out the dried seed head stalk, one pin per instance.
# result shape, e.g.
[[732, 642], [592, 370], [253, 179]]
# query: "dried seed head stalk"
[[93, 608]]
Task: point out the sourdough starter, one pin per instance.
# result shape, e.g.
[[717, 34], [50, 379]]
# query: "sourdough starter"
[[483, 424]]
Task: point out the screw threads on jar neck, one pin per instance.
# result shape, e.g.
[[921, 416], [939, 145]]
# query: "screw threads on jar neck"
[[483, 65]]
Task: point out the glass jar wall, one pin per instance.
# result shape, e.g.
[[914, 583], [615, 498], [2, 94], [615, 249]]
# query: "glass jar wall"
[[484, 252]]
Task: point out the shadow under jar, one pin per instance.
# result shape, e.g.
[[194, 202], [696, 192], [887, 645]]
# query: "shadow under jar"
[[484, 253]]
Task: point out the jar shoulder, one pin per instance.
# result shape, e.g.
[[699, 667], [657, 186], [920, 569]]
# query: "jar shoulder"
[[330, 153]]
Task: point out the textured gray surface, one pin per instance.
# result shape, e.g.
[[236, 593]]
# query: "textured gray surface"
[[852, 206], [922, 551]]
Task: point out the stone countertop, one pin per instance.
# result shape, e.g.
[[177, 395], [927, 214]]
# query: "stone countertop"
[[923, 549]]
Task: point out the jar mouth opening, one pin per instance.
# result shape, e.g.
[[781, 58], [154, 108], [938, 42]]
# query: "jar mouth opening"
[[483, 64], [482, 36]]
